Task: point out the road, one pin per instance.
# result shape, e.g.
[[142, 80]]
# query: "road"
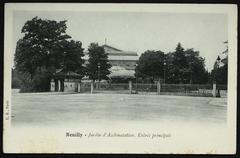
[[62, 109]]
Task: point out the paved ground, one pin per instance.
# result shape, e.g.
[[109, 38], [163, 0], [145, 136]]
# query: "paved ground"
[[60, 108]]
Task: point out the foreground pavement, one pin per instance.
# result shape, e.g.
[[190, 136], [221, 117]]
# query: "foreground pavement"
[[59, 109]]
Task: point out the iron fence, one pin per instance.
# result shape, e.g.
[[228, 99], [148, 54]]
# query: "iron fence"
[[86, 87], [187, 89], [222, 86], [112, 86], [143, 88]]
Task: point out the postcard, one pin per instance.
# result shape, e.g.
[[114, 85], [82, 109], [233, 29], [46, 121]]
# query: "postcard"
[[120, 78]]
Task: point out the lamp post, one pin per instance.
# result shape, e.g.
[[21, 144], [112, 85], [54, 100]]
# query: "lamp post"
[[136, 79], [190, 76], [217, 66], [218, 62], [191, 72], [164, 73], [98, 72]]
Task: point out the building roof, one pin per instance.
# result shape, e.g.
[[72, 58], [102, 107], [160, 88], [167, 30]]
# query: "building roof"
[[114, 51], [107, 46], [68, 73], [117, 57], [116, 54]]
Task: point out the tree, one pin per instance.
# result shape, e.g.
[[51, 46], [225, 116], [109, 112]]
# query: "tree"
[[170, 69], [44, 37], [98, 65], [42, 50], [185, 66], [220, 68], [180, 64], [196, 72], [72, 57], [151, 65], [221, 74], [15, 79]]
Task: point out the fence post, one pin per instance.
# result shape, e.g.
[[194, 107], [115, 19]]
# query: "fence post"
[[91, 87], [158, 87], [79, 87], [130, 86], [214, 89], [59, 86], [97, 85]]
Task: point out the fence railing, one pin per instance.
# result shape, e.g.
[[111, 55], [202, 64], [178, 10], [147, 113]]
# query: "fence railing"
[[170, 89], [114, 86], [188, 89], [222, 86], [145, 87]]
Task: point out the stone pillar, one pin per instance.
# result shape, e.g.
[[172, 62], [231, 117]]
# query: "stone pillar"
[[158, 87], [130, 86], [91, 87], [97, 84], [214, 89], [79, 87], [59, 86]]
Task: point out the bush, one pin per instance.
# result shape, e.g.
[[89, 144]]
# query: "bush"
[[40, 82]]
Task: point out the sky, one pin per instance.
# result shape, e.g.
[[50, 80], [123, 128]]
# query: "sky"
[[139, 31]]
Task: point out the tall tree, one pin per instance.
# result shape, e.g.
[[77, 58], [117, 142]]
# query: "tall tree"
[[170, 69], [72, 57], [180, 64], [196, 72], [40, 52], [151, 65], [98, 65], [44, 37]]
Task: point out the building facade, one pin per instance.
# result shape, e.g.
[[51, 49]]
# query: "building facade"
[[65, 82], [117, 57], [123, 66]]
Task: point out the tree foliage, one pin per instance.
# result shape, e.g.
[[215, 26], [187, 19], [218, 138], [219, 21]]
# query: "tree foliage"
[[185, 66], [15, 79], [219, 74], [43, 49], [181, 66], [98, 65], [72, 57], [151, 64]]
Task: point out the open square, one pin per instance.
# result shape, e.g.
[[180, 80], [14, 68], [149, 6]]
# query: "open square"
[[62, 108]]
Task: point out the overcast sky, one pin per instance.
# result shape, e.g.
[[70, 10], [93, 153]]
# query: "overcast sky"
[[139, 31]]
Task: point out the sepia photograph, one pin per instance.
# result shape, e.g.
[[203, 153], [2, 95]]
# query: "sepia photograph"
[[120, 78]]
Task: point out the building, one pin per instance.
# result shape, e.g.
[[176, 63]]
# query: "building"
[[65, 82], [123, 62], [117, 57], [123, 67]]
